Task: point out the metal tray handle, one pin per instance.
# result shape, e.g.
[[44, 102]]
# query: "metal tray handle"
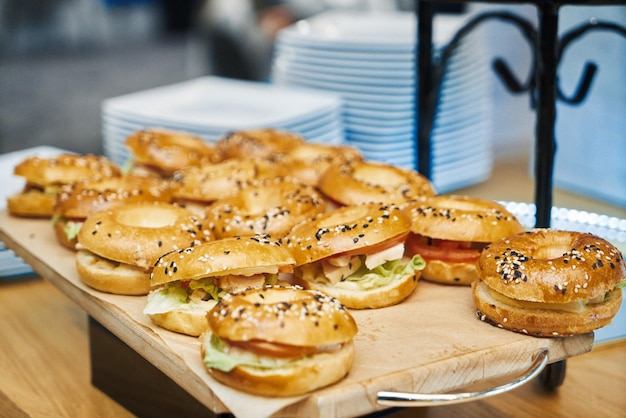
[[402, 399]]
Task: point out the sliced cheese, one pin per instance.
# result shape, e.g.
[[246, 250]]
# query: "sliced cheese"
[[393, 253], [577, 306]]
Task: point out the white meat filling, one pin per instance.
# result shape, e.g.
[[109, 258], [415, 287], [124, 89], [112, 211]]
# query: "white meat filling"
[[336, 269]]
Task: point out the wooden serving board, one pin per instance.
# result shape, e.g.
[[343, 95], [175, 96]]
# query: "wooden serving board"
[[430, 343]]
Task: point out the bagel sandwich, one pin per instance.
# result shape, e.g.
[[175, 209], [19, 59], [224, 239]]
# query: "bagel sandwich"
[[159, 152], [45, 176], [356, 254], [117, 247], [75, 202], [549, 283], [278, 341], [449, 232], [187, 283]]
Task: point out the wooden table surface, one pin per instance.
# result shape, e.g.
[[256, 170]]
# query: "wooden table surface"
[[45, 359]]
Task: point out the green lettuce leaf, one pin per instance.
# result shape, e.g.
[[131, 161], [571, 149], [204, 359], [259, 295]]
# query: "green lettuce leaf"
[[382, 275], [174, 297], [217, 358], [72, 229]]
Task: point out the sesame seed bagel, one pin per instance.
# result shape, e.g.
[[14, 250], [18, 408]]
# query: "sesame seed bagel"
[[461, 218], [552, 266], [282, 314], [65, 168], [280, 341], [566, 282], [44, 177], [308, 161], [450, 231], [163, 151], [32, 204], [244, 256], [542, 320], [206, 184], [366, 181], [356, 254], [346, 229], [76, 202], [135, 235], [271, 207], [187, 283], [257, 143]]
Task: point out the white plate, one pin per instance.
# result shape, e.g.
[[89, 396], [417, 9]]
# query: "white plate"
[[346, 59], [467, 53], [360, 75], [381, 31], [351, 97], [222, 103]]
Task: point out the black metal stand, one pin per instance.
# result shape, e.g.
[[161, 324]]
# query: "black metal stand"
[[542, 87]]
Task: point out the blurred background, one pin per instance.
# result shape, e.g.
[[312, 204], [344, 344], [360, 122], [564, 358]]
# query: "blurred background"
[[59, 59]]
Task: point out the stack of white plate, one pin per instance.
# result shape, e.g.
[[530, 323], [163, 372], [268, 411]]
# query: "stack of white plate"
[[210, 107], [369, 60]]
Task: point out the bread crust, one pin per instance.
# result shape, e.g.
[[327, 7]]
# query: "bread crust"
[[166, 151], [348, 228], [31, 204], [548, 265], [446, 272], [139, 233], [286, 315], [308, 161], [191, 323], [257, 143], [208, 183], [75, 202], [65, 169], [544, 322], [271, 207], [290, 316], [110, 277], [365, 181], [44, 177], [461, 218], [380, 297], [79, 200], [313, 373]]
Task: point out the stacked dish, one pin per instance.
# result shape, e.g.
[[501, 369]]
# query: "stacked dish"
[[210, 107], [369, 60]]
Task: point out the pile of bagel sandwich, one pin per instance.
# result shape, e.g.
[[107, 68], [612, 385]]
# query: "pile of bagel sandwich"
[[261, 243]]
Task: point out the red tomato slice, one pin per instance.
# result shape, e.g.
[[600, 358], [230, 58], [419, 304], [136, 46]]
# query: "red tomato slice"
[[273, 349], [443, 250]]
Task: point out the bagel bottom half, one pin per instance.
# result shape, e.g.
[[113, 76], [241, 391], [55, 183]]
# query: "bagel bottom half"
[[292, 378], [543, 319], [390, 294], [31, 204], [110, 276], [191, 322], [450, 272]]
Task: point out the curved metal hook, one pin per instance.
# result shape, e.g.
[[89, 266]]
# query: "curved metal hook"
[[590, 68], [501, 68], [583, 86], [508, 78]]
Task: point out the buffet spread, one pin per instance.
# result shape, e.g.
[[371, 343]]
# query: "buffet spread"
[[432, 342]]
